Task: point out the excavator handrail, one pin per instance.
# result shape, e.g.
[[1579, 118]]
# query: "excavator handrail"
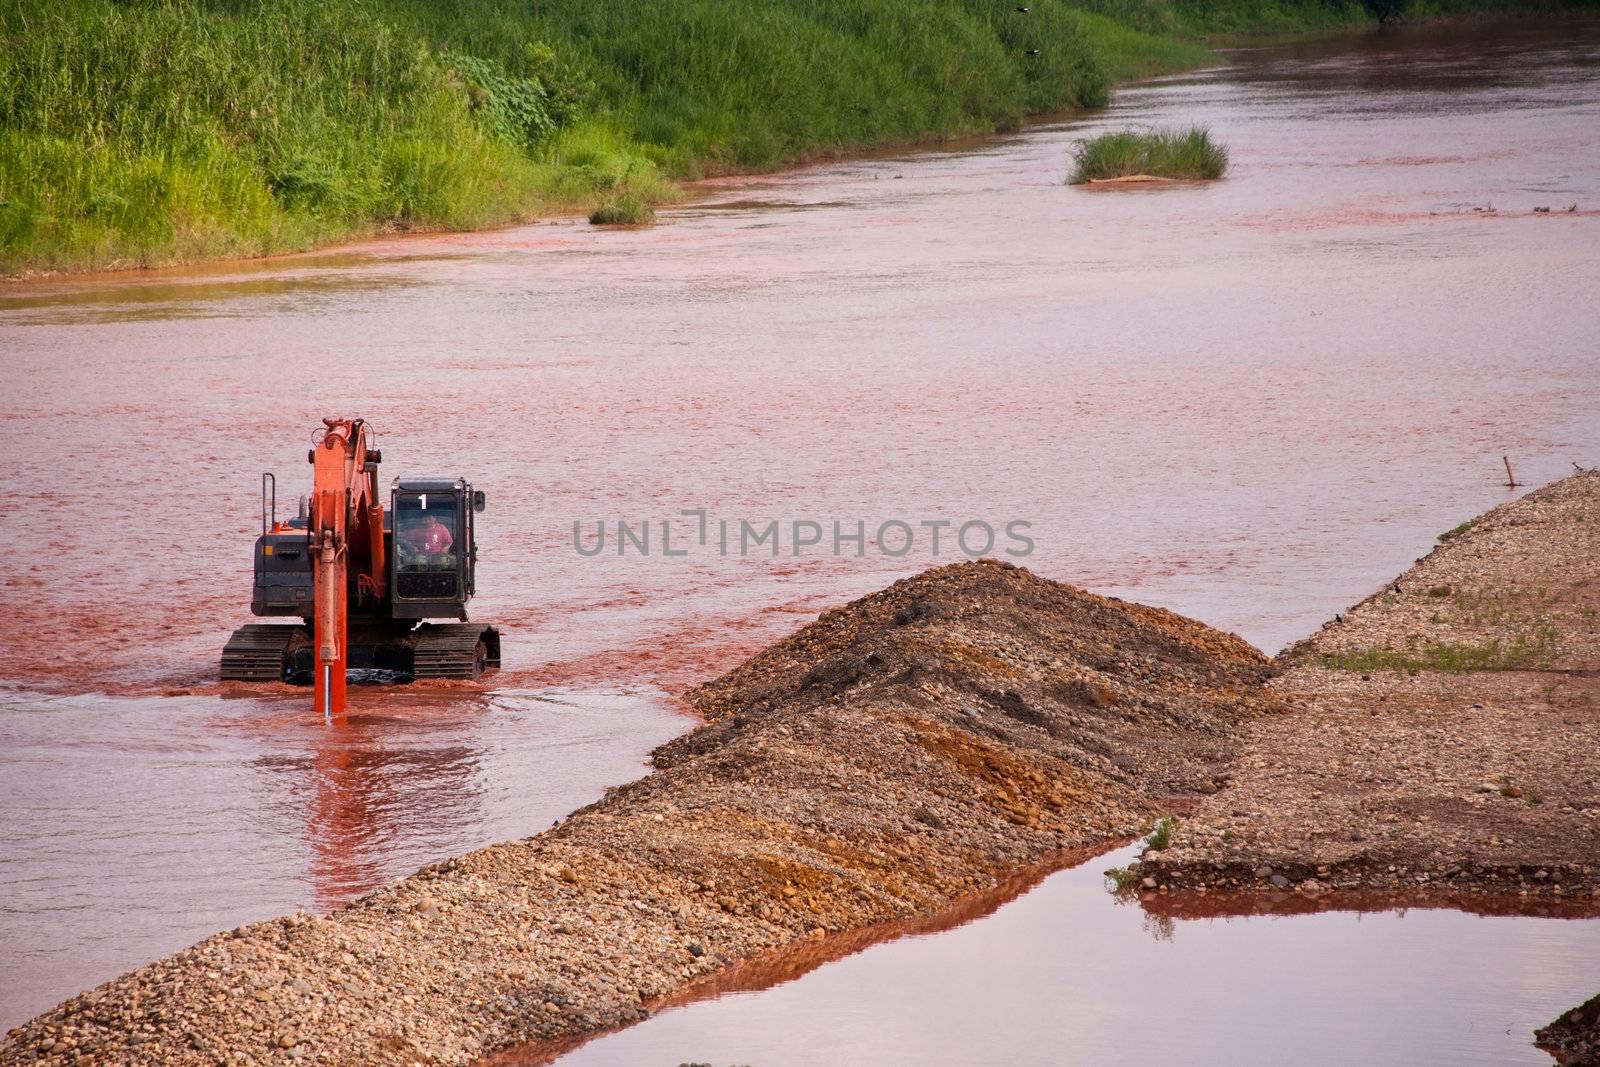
[[268, 476]]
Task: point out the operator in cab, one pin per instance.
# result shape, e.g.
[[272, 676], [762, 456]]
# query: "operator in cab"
[[429, 535]]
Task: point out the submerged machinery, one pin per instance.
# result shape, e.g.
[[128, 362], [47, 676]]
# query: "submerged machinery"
[[363, 580]]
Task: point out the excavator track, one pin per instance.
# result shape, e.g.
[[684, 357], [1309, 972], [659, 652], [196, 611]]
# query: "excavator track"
[[454, 650], [261, 652]]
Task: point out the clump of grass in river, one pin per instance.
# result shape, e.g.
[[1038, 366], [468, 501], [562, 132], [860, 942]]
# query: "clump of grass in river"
[[1121, 879], [626, 210], [1160, 153]]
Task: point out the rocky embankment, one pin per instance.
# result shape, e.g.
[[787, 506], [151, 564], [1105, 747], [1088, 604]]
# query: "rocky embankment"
[[1443, 747], [1444, 733], [899, 754], [1574, 1039]]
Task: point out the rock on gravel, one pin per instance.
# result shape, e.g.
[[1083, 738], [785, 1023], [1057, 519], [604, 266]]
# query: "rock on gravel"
[[901, 753]]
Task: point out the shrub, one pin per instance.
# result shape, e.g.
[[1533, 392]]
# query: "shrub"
[[515, 109]]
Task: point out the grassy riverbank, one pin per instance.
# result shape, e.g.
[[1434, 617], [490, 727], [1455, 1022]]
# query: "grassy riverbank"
[[139, 132]]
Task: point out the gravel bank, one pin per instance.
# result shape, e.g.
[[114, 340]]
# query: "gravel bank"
[[1444, 734], [900, 754], [1443, 747]]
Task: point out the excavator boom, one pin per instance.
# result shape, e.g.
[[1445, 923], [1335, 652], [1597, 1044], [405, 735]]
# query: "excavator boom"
[[345, 504]]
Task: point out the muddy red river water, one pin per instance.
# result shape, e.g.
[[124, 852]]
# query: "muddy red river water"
[[1250, 402]]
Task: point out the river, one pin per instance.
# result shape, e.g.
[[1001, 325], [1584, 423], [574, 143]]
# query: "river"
[[1250, 402]]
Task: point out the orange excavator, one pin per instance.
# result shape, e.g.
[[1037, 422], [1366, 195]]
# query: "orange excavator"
[[362, 579]]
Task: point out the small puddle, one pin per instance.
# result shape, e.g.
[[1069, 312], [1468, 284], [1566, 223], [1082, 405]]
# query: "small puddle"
[[1069, 974]]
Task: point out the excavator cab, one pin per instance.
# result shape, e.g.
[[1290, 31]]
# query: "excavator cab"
[[434, 551]]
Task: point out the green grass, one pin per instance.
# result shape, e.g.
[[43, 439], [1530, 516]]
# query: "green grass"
[[1452, 657], [143, 132], [136, 133], [1161, 835], [626, 210], [1185, 154], [1121, 879], [1273, 18], [1126, 53]]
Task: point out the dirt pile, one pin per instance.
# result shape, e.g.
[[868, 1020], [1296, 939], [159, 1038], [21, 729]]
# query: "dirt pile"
[[903, 752], [1445, 734]]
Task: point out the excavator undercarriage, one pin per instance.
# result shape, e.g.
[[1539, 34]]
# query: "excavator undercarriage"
[[276, 652]]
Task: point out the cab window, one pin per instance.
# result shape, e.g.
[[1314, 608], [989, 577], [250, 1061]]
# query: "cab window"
[[425, 545]]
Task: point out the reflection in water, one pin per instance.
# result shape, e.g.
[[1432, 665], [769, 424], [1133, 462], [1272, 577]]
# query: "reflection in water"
[[1068, 974], [365, 795], [133, 827], [800, 958], [343, 824], [1160, 927], [1464, 69], [146, 301]]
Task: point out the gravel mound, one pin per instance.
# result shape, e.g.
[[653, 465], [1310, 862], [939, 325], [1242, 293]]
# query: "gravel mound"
[[901, 753]]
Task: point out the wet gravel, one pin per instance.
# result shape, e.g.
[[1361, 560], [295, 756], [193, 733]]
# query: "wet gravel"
[[1574, 1038]]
